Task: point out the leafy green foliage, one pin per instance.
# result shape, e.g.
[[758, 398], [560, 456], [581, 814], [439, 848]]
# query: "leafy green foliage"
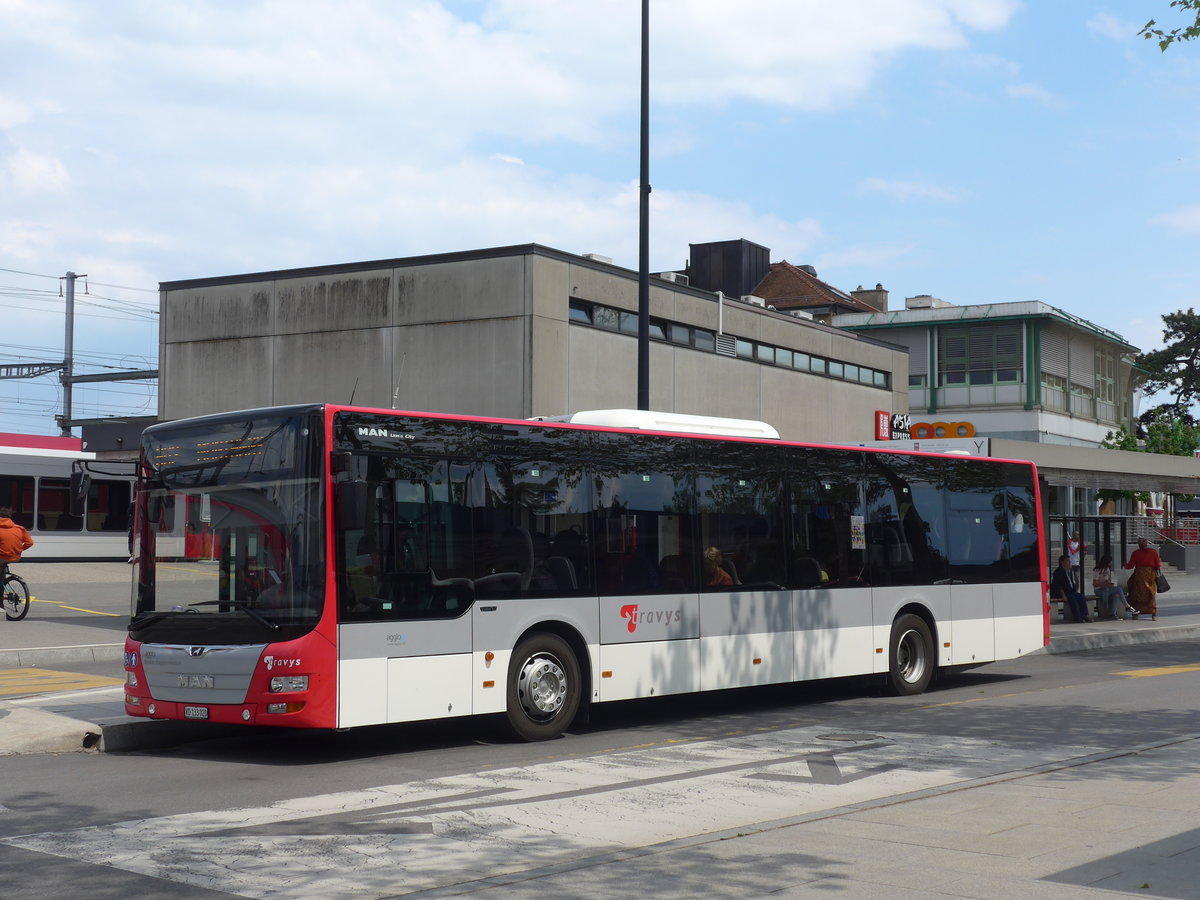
[[1183, 33], [1121, 439], [1167, 432], [1175, 369]]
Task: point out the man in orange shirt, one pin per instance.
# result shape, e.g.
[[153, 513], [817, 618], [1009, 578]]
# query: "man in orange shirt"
[[14, 539]]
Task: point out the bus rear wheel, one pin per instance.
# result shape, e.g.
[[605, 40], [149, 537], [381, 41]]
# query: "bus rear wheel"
[[911, 659], [543, 687]]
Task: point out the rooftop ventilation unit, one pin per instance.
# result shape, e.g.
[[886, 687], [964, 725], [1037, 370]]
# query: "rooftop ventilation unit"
[[596, 257], [754, 301], [925, 301], [800, 314], [676, 277]]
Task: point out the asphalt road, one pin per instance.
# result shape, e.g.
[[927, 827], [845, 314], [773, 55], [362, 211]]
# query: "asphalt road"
[[1053, 775]]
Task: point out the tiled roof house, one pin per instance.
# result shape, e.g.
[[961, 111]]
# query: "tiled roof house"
[[788, 287]]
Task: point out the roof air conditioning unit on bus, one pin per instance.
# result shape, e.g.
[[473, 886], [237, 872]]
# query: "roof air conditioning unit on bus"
[[754, 301]]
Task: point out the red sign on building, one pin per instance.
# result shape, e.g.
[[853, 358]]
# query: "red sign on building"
[[883, 425]]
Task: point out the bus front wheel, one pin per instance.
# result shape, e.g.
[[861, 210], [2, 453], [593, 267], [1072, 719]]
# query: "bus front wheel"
[[543, 687], [911, 660]]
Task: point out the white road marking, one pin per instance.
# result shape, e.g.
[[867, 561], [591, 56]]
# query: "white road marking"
[[55, 698], [399, 838]]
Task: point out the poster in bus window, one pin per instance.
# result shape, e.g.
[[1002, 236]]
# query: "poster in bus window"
[[858, 533]]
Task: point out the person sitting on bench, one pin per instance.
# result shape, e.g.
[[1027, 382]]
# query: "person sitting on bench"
[[1062, 584]]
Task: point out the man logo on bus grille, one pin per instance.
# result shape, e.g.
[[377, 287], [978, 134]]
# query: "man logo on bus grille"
[[650, 616], [196, 651], [195, 681]]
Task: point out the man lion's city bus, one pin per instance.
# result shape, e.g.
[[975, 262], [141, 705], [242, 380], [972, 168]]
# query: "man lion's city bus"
[[359, 567]]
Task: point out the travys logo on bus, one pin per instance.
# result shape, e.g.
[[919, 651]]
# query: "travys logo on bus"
[[275, 662], [635, 617]]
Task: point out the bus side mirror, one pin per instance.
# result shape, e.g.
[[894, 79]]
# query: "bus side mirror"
[[353, 503], [80, 482]]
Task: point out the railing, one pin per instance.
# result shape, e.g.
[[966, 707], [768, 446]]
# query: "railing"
[[1182, 531]]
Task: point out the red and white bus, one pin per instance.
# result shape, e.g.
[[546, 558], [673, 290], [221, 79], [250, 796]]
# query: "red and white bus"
[[372, 566]]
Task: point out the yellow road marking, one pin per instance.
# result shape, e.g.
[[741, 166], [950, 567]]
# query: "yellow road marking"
[[961, 702], [1161, 670], [61, 605], [35, 681]]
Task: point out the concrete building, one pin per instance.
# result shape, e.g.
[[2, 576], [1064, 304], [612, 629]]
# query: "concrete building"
[[1027, 380], [520, 331], [1023, 371]]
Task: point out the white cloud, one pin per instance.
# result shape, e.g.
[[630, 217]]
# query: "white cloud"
[[25, 172], [1033, 91], [25, 240], [1183, 221], [1110, 26], [906, 190], [13, 112], [403, 210]]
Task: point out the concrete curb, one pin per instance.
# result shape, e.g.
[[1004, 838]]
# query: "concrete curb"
[[154, 734], [1075, 643], [35, 731], [49, 656]]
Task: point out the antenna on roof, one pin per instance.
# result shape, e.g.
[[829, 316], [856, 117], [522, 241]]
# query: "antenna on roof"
[[353, 391]]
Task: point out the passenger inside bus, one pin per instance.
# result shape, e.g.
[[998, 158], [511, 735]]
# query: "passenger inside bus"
[[716, 569]]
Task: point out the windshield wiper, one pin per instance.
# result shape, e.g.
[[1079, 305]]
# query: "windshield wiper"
[[146, 619], [244, 606]]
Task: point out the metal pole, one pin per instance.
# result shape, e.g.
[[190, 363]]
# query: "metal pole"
[[643, 387], [68, 355]]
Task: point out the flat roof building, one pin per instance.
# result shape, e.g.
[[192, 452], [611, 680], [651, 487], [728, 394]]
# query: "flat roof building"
[[517, 331]]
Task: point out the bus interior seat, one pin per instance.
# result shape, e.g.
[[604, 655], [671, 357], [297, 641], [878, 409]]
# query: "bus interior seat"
[[673, 570], [517, 546], [638, 574], [562, 570], [808, 572], [897, 549]]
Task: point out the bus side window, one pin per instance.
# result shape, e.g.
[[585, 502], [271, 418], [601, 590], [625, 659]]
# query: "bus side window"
[[644, 515], [826, 506], [741, 511]]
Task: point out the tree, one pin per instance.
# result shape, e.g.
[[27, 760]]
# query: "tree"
[[1184, 33], [1175, 369], [1166, 432]]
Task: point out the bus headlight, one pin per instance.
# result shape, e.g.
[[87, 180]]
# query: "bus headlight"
[[284, 684]]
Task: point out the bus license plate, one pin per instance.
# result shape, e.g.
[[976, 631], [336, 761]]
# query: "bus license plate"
[[195, 712]]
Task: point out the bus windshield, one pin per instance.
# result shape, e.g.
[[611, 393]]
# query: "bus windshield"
[[230, 546]]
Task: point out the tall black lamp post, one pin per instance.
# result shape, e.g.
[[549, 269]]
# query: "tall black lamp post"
[[643, 367]]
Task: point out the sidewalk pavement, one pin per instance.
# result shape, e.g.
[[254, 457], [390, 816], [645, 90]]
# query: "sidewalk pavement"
[[89, 631]]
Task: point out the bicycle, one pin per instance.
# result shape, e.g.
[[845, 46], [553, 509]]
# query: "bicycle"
[[14, 593]]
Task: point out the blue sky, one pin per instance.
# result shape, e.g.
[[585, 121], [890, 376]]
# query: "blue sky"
[[977, 150]]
